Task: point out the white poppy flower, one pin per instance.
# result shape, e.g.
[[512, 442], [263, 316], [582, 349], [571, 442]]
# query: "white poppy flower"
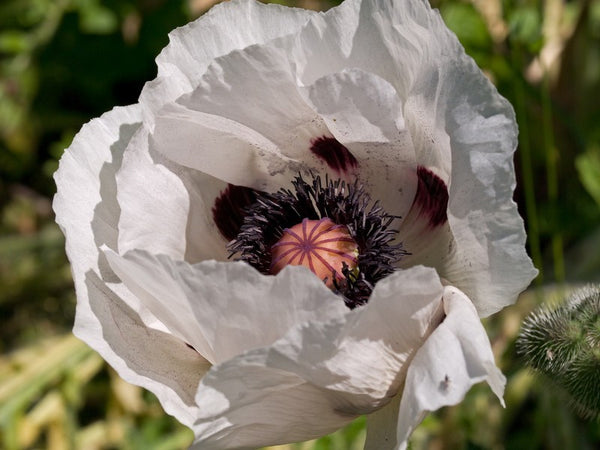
[[361, 143]]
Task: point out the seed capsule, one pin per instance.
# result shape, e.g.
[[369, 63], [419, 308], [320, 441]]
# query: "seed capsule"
[[320, 245]]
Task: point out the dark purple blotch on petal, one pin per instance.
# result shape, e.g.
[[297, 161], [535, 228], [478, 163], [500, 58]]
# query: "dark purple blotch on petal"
[[432, 197], [228, 210], [335, 155]]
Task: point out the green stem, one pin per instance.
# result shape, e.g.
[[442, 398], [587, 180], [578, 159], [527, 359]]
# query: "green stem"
[[551, 153]]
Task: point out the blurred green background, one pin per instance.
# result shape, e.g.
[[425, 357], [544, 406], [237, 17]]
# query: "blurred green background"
[[63, 62]]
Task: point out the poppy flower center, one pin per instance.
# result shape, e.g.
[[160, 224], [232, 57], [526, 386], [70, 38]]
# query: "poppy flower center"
[[322, 246], [330, 227]]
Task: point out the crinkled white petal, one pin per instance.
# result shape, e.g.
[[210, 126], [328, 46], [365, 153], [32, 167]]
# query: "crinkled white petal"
[[226, 27], [426, 244], [246, 109], [224, 309], [257, 87], [394, 40], [364, 112], [453, 358], [374, 342], [362, 108], [142, 355], [109, 318], [85, 204], [490, 263], [322, 373], [250, 405], [467, 132], [175, 203], [220, 147]]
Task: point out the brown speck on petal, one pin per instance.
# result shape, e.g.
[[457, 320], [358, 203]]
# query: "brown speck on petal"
[[228, 210], [335, 155], [431, 197]]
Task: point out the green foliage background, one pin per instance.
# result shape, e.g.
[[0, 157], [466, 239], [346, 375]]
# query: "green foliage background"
[[63, 62]]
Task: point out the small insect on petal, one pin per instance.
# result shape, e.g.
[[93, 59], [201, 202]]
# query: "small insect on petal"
[[445, 383]]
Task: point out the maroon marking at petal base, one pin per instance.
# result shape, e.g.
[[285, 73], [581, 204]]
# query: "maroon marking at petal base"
[[228, 210], [334, 154], [431, 197]]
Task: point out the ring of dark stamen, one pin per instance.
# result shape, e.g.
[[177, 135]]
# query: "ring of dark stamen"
[[345, 204]]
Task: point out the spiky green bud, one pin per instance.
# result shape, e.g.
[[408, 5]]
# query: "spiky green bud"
[[564, 343]]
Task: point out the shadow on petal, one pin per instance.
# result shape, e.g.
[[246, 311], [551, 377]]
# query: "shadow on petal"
[[106, 213], [155, 360]]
